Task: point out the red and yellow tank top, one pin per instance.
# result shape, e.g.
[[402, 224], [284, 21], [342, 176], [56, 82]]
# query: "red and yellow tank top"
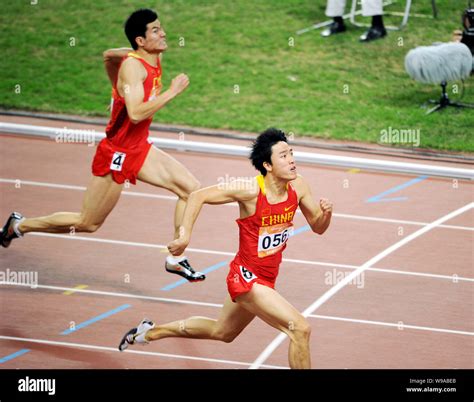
[[120, 130], [263, 235]]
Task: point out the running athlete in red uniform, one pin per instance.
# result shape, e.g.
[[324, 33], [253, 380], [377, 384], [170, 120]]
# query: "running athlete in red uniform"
[[267, 207], [125, 155]]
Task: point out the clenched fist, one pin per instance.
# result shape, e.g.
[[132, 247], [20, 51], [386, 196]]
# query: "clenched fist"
[[177, 247], [325, 205], [179, 84]]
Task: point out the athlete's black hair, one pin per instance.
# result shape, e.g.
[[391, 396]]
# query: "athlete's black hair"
[[262, 148], [136, 24]]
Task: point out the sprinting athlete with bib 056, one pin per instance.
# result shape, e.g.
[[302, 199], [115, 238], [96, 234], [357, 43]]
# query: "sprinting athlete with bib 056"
[[267, 207]]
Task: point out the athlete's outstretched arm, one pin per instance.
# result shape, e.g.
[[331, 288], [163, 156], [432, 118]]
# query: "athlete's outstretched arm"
[[318, 216], [112, 60], [238, 190], [131, 77]]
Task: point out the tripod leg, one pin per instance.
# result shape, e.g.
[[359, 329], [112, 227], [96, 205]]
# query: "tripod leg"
[[460, 104], [435, 109], [435, 9]]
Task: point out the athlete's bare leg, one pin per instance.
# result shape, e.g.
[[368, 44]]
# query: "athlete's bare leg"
[[100, 198], [231, 322], [162, 170], [275, 310]]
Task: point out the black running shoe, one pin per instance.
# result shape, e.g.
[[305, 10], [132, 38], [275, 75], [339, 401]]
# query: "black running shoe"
[[7, 233], [130, 337], [185, 270]]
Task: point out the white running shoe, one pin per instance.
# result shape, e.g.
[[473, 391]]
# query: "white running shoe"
[[10, 230], [183, 268], [136, 335]]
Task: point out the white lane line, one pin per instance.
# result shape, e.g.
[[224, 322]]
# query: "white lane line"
[[127, 243], [216, 305], [233, 204], [452, 278], [230, 254], [20, 182], [137, 352], [331, 292], [400, 221], [400, 326], [115, 294]]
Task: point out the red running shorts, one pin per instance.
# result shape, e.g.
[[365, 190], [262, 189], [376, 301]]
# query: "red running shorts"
[[124, 164]]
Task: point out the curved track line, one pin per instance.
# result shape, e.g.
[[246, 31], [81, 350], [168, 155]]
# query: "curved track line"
[[331, 292]]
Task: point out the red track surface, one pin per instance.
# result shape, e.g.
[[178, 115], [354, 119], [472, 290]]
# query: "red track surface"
[[416, 289]]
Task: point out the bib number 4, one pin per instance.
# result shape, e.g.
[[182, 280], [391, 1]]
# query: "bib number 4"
[[117, 161]]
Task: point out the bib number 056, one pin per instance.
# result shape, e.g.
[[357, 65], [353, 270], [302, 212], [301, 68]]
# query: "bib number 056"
[[274, 240]]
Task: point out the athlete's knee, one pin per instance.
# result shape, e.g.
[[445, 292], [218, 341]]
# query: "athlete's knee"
[[195, 185], [222, 335], [191, 186], [87, 227], [299, 329]]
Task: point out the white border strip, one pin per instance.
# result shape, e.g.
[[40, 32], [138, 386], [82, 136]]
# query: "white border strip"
[[137, 352], [331, 292], [236, 150]]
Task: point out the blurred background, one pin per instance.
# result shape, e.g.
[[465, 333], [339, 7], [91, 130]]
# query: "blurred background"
[[248, 67]]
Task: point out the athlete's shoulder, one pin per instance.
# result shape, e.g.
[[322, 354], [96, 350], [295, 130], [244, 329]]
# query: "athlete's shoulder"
[[131, 65], [300, 185], [132, 62], [247, 189], [299, 182]]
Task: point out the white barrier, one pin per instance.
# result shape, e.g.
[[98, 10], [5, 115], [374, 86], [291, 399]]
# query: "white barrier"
[[236, 150]]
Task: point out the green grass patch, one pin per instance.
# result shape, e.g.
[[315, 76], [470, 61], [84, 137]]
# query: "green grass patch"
[[329, 88]]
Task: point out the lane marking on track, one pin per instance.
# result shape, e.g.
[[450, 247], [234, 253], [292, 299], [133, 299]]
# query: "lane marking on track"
[[19, 182], [216, 305], [71, 292], [400, 325], [381, 197], [137, 352], [173, 198], [13, 355], [226, 253], [331, 292], [95, 319], [117, 294]]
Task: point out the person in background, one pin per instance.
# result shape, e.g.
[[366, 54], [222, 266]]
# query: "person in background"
[[370, 8]]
